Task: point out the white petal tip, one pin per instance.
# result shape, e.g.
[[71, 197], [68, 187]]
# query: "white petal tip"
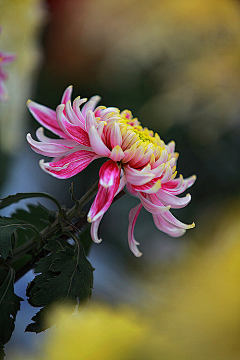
[[97, 241]]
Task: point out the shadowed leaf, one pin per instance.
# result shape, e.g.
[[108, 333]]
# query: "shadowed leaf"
[[9, 305], [7, 227], [65, 276]]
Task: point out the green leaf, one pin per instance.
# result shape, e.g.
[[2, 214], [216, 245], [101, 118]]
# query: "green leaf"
[[7, 227], [9, 305], [12, 199], [37, 215], [64, 276]]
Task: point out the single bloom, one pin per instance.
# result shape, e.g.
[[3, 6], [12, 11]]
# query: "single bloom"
[[137, 158], [5, 58]]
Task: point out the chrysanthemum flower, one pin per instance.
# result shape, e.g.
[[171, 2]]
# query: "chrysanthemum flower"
[[5, 58], [137, 158]]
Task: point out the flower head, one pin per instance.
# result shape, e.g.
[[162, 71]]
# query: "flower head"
[[137, 158], [5, 58]]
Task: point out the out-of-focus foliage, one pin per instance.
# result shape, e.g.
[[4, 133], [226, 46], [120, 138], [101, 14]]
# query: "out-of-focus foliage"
[[20, 21], [192, 312]]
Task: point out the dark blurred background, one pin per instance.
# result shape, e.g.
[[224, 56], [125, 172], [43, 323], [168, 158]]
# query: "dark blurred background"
[[176, 66]]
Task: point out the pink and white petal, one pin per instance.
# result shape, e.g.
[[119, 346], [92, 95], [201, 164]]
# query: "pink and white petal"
[[175, 222], [176, 185], [67, 95], [71, 116], [129, 154], [133, 214], [69, 165], [90, 105], [155, 207], [121, 185], [167, 174], [46, 117], [164, 226], [179, 185], [138, 156], [76, 108], [94, 230], [90, 120], [97, 144], [162, 159], [48, 149], [150, 188], [191, 180], [107, 174], [145, 158], [105, 195], [171, 146], [175, 202], [117, 154], [138, 177], [73, 131], [65, 142], [157, 171], [100, 127], [116, 136], [131, 190]]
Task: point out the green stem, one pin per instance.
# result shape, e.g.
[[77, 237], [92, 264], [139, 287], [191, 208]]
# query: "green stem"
[[48, 232]]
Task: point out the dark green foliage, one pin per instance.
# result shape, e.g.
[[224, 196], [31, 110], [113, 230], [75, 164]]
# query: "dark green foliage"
[[37, 215], [7, 227], [9, 305], [12, 199], [64, 276]]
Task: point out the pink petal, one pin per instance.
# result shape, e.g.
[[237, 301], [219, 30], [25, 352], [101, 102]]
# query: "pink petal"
[[71, 116], [97, 144], [178, 186], [67, 95], [41, 137], [90, 120], [145, 158], [116, 136], [131, 190], [122, 184], [76, 108], [48, 149], [117, 154], [154, 207], [133, 214], [90, 105], [46, 117], [109, 170], [109, 174], [69, 165], [151, 187], [175, 202], [94, 230], [73, 131], [164, 226], [138, 177], [175, 222]]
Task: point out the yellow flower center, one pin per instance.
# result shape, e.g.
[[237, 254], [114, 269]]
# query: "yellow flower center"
[[133, 132]]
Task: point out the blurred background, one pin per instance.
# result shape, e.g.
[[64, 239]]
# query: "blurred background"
[[176, 66]]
